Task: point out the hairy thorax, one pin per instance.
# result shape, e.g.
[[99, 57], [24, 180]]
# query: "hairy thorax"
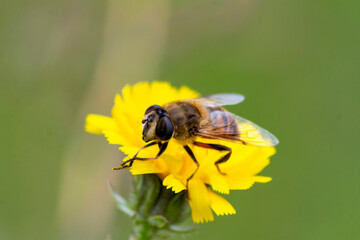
[[185, 117]]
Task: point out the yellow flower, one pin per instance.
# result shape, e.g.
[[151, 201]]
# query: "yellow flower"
[[175, 166]]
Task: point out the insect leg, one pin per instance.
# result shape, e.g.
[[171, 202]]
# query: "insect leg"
[[146, 146], [162, 148], [219, 148], [188, 150]]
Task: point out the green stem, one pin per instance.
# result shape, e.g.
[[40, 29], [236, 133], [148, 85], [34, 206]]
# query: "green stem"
[[143, 231], [153, 208], [146, 188]]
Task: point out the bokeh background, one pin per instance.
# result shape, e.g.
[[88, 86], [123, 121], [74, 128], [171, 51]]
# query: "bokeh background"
[[297, 62]]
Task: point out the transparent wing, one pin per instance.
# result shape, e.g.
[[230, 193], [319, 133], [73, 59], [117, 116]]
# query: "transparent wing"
[[253, 134], [221, 99], [228, 126]]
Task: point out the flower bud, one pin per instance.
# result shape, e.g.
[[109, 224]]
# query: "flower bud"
[[155, 208]]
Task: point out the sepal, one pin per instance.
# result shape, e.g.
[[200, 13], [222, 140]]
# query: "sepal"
[[121, 203]]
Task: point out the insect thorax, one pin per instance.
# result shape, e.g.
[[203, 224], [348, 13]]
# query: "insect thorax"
[[185, 118]]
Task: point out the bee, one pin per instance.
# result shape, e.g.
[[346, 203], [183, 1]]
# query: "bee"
[[189, 121]]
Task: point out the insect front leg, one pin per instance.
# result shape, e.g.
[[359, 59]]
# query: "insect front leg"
[[219, 148], [162, 148], [188, 150]]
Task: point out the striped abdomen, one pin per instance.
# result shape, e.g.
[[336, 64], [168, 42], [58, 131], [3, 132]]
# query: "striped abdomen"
[[222, 124]]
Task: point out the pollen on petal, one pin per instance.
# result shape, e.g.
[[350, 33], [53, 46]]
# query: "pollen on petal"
[[219, 204], [97, 123]]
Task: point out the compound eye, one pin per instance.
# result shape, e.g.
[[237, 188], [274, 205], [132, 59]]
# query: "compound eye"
[[164, 128]]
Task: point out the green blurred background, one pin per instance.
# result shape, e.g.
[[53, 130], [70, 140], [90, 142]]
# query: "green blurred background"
[[297, 62]]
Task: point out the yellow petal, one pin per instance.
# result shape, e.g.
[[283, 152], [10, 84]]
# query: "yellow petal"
[[172, 182], [126, 92], [262, 179], [188, 93], [219, 204], [199, 202], [256, 160], [114, 137], [245, 182], [219, 183], [146, 167], [241, 182], [129, 123], [129, 150], [97, 123]]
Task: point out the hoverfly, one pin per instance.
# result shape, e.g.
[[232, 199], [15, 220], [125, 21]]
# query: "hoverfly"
[[189, 120]]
